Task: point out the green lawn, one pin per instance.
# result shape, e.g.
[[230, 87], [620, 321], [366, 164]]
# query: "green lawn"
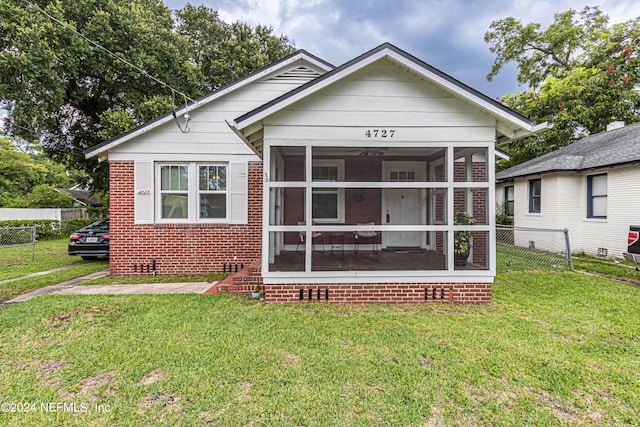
[[551, 349], [16, 261]]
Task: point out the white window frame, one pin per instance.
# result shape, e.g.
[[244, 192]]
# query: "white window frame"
[[193, 194], [225, 192], [591, 196], [329, 189]]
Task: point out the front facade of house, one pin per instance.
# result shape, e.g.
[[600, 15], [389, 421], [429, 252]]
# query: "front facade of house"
[[590, 187], [341, 184]]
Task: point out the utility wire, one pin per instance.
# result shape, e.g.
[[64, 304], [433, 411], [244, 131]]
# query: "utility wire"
[[120, 58], [99, 46]]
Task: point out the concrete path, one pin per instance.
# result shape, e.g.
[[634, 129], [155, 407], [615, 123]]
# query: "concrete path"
[[143, 288], [74, 287]]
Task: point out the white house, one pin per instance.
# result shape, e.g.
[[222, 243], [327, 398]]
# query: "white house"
[[342, 184], [591, 187]]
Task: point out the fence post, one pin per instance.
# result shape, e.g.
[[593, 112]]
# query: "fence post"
[[33, 243], [568, 245]]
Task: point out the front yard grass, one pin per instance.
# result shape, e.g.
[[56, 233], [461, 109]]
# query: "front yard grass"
[[551, 349], [22, 286], [16, 261]]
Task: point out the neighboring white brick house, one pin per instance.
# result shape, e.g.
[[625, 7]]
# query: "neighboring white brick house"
[[591, 187]]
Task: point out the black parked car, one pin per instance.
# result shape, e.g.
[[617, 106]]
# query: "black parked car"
[[91, 241]]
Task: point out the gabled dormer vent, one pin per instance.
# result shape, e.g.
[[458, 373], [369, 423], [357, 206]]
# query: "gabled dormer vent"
[[300, 73]]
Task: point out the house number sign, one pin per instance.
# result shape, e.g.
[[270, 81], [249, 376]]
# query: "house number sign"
[[380, 133]]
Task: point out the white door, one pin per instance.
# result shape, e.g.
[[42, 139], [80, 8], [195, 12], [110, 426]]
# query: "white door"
[[403, 206]]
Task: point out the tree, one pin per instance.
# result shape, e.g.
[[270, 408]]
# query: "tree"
[[226, 52], [581, 72], [45, 196], [20, 172], [66, 92]]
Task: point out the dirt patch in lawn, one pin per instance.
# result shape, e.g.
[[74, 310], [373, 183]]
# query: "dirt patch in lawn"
[[86, 314], [151, 378], [163, 401]]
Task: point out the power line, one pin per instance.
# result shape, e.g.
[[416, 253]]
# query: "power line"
[[99, 46], [120, 58]]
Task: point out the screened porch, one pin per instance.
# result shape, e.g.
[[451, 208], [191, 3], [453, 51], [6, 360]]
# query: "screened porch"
[[378, 209]]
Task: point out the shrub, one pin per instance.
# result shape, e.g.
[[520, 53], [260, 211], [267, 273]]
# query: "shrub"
[[45, 228]]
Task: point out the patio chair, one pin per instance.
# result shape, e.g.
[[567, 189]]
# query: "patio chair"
[[368, 235], [315, 236]]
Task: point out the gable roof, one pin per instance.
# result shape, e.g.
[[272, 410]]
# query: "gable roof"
[[605, 149], [224, 90], [511, 124]]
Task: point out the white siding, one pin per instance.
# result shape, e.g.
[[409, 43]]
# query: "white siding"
[[564, 205], [381, 95], [209, 138]]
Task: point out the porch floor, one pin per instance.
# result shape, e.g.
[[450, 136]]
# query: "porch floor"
[[386, 260]]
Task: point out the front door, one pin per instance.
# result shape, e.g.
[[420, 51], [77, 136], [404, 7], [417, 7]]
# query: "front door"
[[403, 206]]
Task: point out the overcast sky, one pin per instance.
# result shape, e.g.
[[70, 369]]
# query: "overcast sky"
[[447, 34]]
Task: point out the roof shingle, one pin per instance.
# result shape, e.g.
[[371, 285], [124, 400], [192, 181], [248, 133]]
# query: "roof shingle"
[[612, 148]]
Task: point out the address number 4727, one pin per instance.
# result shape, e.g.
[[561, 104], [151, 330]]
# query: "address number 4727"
[[379, 133]]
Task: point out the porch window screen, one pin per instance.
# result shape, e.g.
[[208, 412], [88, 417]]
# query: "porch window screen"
[[174, 190], [212, 191], [535, 192], [597, 196]]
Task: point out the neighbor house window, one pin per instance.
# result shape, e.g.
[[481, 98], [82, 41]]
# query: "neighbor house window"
[[508, 200], [174, 191], [192, 192], [597, 196], [535, 192], [327, 202], [212, 191]]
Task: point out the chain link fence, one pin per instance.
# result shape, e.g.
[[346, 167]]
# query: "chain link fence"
[[14, 243], [521, 248]]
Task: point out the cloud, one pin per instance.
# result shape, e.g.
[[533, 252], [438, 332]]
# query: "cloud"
[[448, 34]]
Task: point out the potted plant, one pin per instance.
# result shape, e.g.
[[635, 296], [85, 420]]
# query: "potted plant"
[[462, 239], [261, 295], [255, 294]]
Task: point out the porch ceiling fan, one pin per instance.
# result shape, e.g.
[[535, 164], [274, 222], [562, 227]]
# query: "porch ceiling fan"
[[369, 152]]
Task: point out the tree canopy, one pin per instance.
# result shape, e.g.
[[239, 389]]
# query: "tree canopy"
[[581, 73], [66, 92], [21, 172]]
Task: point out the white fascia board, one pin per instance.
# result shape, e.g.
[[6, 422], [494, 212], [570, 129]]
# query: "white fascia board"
[[203, 101]]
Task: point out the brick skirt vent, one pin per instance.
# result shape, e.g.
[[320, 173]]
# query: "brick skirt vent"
[[319, 294], [438, 294]]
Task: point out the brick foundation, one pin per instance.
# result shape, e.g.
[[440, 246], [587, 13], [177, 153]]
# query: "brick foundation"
[[390, 293]]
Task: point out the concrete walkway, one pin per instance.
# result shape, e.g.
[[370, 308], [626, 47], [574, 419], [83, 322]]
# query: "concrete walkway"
[[74, 287], [143, 288]]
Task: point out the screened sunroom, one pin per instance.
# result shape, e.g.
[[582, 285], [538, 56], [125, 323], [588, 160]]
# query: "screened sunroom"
[[382, 212]]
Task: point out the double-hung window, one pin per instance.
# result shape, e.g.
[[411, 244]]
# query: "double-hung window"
[[508, 200], [327, 202], [597, 196], [535, 193], [174, 191], [212, 191], [192, 192]]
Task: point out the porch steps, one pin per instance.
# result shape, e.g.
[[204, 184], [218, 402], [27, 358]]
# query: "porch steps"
[[241, 282]]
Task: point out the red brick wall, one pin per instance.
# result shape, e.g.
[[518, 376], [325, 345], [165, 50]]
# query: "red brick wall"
[[179, 248], [391, 293]]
